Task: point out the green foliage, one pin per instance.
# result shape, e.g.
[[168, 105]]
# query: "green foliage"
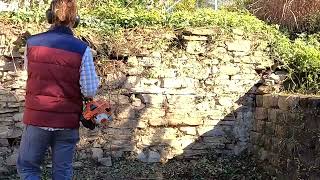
[[26, 16], [301, 58]]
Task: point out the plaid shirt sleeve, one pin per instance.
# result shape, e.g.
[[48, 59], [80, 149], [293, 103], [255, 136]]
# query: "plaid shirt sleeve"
[[89, 81]]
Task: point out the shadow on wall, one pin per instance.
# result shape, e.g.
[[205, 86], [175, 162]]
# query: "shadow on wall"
[[155, 126], [158, 119], [223, 131]]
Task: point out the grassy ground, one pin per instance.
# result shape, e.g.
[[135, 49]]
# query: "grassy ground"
[[209, 167]]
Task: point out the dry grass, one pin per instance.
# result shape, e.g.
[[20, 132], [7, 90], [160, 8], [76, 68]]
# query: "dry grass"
[[296, 15]]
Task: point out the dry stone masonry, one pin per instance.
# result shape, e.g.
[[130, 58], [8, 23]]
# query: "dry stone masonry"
[[285, 135], [193, 96]]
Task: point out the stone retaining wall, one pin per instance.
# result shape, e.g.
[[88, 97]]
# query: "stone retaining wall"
[[285, 135], [191, 97]]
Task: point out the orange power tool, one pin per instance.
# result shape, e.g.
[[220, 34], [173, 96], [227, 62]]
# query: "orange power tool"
[[96, 112]]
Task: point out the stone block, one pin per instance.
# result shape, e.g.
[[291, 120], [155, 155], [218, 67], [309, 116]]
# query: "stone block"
[[269, 130], [264, 89], [6, 123], [259, 100], [118, 132], [153, 113], [260, 126], [204, 106], [116, 79], [149, 157], [166, 133], [200, 31], [261, 113], [150, 62], [122, 146], [132, 82], [283, 132], [18, 117], [5, 131], [186, 141], [195, 47], [270, 101], [3, 105], [15, 104], [120, 99], [4, 143], [255, 137], [282, 117], [175, 119], [4, 150], [135, 71], [212, 62], [188, 130], [97, 153], [9, 110], [137, 103], [123, 123], [150, 82], [212, 122], [275, 145], [229, 70], [153, 99], [181, 91], [163, 72], [198, 145], [158, 121], [12, 159], [77, 165], [217, 140], [194, 153], [6, 119], [272, 115], [263, 154], [106, 161], [126, 112], [207, 131], [226, 101], [239, 46], [286, 102], [179, 83], [4, 170], [181, 100], [133, 61], [216, 113], [274, 159], [228, 122]]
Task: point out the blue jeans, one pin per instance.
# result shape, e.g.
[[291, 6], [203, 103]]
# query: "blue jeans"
[[33, 147]]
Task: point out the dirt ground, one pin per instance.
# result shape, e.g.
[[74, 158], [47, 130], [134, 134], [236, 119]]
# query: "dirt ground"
[[209, 167]]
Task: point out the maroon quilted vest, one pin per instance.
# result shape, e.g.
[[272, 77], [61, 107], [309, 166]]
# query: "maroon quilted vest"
[[53, 95]]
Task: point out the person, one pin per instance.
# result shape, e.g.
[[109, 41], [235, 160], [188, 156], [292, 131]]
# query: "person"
[[61, 73]]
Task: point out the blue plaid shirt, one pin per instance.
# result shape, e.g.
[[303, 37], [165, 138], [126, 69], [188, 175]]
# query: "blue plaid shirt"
[[89, 81]]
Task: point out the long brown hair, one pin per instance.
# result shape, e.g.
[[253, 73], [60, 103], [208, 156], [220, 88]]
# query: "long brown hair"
[[65, 12]]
